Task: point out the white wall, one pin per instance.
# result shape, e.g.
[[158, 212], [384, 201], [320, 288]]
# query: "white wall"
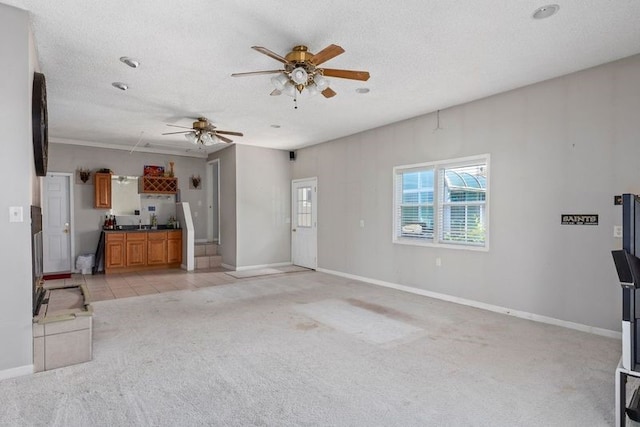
[[88, 220], [263, 206], [567, 145], [17, 64]]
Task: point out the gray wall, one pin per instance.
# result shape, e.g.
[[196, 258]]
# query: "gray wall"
[[228, 223], [17, 64], [567, 145], [263, 206], [254, 206], [87, 220]]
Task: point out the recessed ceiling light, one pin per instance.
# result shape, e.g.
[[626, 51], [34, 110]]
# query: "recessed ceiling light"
[[363, 90], [545, 11], [130, 61], [275, 126], [120, 85]]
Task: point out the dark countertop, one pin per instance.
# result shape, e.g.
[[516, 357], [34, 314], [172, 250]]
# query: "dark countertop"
[[126, 228]]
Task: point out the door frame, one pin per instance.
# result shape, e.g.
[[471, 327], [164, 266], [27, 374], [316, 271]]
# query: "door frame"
[[315, 216], [43, 189], [209, 177]]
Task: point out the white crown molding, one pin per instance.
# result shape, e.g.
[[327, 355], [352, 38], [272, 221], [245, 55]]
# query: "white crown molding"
[[198, 154]]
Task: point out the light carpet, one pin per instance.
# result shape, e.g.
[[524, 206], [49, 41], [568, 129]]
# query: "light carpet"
[[288, 351]]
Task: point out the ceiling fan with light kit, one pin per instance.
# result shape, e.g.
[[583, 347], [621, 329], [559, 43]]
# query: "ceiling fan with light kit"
[[301, 71], [203, 132]]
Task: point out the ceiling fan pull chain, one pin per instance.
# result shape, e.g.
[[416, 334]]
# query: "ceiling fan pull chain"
[[295, 101]]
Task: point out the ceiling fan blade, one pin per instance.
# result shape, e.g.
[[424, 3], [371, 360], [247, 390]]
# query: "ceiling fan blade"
[[175, 133], [346, 74], [256, 73], [275, 92], [326, 54], [224, 139], [270, 54], [176, 126], [328, 93], [227, 132]]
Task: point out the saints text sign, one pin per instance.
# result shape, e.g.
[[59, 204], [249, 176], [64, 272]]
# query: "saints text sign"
[[579, 219]]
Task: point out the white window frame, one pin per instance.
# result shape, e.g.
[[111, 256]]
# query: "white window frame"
[[437, 167]]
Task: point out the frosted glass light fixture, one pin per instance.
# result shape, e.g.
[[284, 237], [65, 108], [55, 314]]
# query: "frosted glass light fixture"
[[279, 81], [206, 139], [321, 82], [191, 137], [299, 75], [289, 89]]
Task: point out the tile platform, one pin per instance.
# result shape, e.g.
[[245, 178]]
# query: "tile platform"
[[124, 285]]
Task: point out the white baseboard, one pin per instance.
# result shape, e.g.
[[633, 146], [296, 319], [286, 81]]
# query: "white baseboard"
[[16, 372], [481, 305], [202, 241], [255, 267], [228, 267]]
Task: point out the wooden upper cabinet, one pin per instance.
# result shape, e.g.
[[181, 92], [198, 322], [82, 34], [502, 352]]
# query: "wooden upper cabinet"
[[102, 187], [159, 184]]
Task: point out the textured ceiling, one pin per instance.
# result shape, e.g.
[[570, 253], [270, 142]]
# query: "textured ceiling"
[[423, 55]]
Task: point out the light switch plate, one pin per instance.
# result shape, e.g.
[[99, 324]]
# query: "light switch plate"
[[15, 214]]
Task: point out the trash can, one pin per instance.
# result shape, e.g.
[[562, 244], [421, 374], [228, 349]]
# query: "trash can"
[[84, 263]]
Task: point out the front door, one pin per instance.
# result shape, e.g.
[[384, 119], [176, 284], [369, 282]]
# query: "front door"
[[304, 226], [56, 223]]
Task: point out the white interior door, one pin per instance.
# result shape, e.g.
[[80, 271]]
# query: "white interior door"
[[56, 223], [304, 226]]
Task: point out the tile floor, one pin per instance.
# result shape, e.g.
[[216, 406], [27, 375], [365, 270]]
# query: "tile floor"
[[123, 285]]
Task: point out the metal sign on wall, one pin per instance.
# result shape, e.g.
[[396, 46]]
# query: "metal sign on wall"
[[579, 219]]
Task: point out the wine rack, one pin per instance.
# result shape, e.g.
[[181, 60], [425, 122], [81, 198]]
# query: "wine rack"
[[158, 185]]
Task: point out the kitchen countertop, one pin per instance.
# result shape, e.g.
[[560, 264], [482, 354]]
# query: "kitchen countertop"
[[128, 228]]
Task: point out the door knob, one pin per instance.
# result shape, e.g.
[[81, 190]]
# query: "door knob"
[[294, 230]]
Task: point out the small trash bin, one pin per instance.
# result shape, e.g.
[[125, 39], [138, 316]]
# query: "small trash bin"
[[84, 263]]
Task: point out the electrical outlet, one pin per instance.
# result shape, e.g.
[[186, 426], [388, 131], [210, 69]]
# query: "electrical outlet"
[[362, 223], [438, 261], [617, 231]]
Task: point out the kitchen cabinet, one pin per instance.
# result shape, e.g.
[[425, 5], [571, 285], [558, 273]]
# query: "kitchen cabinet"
[[159, 184], [135, 250], [114, 251], [102, 190], [174, 246], [157, 248]]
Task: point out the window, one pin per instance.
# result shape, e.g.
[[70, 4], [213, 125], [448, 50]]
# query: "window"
[[304, 207], [442, 203]]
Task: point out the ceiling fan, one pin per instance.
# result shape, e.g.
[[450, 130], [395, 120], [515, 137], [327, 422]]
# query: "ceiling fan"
[[203, 132], [301, 71]]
